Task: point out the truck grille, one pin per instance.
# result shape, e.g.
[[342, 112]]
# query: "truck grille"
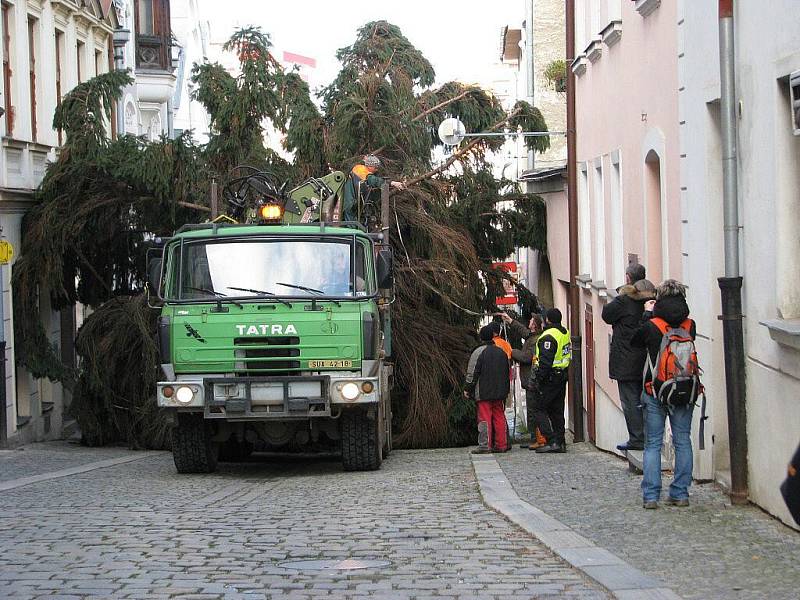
[[270, 349]]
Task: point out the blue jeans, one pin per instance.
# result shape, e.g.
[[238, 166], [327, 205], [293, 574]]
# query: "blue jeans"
[[680, 421]]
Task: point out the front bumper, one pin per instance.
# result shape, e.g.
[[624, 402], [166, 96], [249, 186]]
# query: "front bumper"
[[237, 398]]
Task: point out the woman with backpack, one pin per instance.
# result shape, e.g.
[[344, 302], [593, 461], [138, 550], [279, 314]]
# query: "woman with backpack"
[[671, 386]]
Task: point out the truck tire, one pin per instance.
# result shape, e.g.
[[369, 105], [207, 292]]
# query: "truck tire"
[[361, 443], [192, 448]]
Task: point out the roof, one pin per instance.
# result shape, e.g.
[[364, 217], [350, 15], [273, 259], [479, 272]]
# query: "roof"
[[543, 174], [206, 230], [509, 49]]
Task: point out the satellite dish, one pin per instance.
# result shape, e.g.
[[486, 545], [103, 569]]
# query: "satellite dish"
[[451, 131]]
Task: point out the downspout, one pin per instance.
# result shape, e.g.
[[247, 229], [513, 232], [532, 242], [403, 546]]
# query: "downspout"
[[731, 285], [531, 76], [575, 372]]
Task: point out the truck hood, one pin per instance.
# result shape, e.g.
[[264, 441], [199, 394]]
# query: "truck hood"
[[265, 338]]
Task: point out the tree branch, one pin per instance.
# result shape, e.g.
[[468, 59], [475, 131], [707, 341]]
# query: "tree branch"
[[448, 163]]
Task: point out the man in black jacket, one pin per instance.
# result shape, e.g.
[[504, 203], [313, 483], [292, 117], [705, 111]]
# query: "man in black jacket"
[[626, 363], [488, 383]]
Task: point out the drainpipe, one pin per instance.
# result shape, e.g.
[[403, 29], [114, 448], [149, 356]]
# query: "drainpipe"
[[731, 285], [575, 372], [530, 76]]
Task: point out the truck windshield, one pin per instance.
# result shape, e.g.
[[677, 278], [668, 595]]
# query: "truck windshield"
[[289, 268]]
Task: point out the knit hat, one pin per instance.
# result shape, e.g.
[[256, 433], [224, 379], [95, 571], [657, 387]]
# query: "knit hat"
[[370, 160], [553, 315]]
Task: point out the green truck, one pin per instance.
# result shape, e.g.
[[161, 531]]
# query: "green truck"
[[275, 334]]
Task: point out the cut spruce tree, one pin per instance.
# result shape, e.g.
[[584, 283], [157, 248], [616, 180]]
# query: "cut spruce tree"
[[103, 201]]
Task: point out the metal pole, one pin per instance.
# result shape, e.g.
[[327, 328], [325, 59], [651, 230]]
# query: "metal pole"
[[214, 200], [731, 285], [575, 372], [529, 65], [3, 399]]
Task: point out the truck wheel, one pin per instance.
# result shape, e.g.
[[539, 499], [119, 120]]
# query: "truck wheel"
[[192, 448], [361, 445], [235, 451]]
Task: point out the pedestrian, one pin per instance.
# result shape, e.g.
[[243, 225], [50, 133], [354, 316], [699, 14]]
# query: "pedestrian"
[[526, 356], [790, 489], [669, 310], [626, 362], [360, 184], [488, 384], [548, 381]]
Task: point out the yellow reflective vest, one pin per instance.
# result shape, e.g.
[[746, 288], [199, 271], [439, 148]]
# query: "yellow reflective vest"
[[563, 354]]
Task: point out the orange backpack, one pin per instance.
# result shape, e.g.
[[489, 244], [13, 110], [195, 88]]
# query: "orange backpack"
[[676, 373]]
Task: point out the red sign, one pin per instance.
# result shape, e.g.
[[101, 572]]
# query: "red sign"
[[510, 296]]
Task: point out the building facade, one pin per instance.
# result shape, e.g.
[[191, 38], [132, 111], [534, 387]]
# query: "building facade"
[[192, 36], [649, 166], [767, 54], [49, 46], [150, 56], [627, 174]]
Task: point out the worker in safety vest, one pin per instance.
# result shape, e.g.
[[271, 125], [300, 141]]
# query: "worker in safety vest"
[[549, 381], [361, 183]]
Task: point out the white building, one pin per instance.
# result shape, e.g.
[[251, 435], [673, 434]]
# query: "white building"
[[48, 47], [191, 32], [767, 53], [148, 54]]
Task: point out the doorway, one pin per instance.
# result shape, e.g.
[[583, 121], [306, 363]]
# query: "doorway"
[[589, 372]]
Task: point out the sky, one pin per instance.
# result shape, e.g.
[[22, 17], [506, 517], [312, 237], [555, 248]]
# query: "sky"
[[461, 39]]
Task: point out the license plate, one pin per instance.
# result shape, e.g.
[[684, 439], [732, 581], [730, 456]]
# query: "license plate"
[[329, 364]]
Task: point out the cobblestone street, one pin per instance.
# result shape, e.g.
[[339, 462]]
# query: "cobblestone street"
[[139, 530], [711, 550]]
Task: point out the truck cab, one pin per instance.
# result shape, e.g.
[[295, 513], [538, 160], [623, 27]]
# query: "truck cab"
[[275, 337]]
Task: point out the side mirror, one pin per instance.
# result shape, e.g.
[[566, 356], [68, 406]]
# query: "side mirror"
[[154, 274], [385, 269]]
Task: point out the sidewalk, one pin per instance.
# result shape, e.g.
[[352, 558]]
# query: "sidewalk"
[[710, 550]]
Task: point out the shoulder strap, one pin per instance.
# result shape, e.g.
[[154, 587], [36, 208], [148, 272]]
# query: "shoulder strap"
[[661, 324]]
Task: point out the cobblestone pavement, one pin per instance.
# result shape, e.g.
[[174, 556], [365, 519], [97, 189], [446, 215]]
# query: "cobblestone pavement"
[[139, 530], [710, 550], [37, 459]]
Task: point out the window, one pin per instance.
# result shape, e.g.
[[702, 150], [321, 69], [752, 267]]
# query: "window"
[[60, 47], [144, 17], [7, 72], [617, 243], [153, 35], [32, 72], [80, 47], [584, 233], [599, 201]]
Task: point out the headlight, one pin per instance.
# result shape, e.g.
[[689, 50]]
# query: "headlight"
[[350, 391], [184, 394]]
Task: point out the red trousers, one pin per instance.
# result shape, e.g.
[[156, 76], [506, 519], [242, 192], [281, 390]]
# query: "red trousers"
[[493, 412]]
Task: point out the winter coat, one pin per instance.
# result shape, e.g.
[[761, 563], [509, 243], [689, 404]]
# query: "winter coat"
[[624, 314], [674, 310], [488, 378], [526, 354]]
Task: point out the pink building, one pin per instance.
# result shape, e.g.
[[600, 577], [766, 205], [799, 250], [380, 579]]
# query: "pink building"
[[628, 173]]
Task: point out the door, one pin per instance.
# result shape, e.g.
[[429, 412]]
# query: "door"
[[589, 373]]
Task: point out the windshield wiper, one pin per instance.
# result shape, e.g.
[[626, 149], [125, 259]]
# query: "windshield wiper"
[[219, 295], [260, 293], [306, 289]]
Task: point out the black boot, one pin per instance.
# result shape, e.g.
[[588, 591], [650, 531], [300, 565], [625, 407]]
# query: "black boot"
[[549, 447]]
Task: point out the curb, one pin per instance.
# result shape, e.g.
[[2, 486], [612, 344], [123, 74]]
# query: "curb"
[[622, 579], [101, 464]]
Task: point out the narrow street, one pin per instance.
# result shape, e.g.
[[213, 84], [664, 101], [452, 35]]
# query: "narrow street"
[[138, 530]]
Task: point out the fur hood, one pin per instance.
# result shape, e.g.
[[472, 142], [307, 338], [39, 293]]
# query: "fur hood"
[[634, 294]]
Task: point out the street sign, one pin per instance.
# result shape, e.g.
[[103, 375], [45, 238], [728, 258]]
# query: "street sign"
[[510, 296], [6, 252]]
